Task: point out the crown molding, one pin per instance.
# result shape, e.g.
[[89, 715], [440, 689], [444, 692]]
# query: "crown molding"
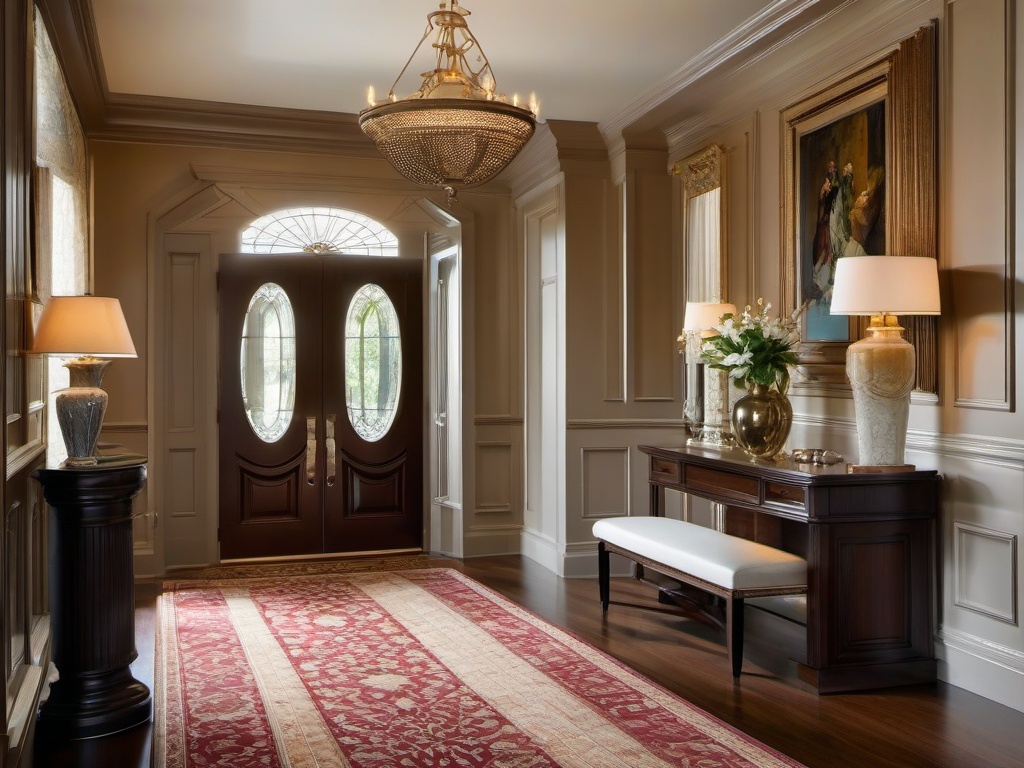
[[161, 120], [535, 163], [110, 116], [754, 85], [73, 36], [753, 35]]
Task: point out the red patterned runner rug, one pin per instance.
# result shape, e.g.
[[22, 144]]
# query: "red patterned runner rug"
[[406, 668]]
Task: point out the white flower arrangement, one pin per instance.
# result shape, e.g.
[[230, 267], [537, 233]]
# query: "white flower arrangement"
[[755, 347]]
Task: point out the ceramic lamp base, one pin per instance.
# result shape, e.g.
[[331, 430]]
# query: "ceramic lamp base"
[[80, 410], [80, 415], [881, 371]]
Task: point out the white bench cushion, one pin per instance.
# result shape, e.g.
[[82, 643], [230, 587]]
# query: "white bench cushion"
[[728, 561]]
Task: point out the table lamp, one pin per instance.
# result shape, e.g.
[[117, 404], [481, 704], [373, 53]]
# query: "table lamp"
[[705, 409], [89, 327], [881, 366]]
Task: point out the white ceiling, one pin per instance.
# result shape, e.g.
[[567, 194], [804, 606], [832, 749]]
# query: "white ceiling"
[[584, 59]]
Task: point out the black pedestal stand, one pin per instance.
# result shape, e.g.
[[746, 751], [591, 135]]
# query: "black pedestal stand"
[[92, 601]]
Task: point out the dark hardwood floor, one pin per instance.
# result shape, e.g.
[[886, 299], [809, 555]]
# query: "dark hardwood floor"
[[929, 725]]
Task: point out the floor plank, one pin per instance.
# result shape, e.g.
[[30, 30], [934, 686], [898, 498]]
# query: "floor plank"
[[917, 726]]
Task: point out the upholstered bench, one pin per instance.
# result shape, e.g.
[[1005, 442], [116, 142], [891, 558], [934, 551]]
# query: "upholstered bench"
[[726, 566]]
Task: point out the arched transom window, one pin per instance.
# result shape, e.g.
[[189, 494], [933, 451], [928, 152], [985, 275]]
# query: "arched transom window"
[[319, 230]]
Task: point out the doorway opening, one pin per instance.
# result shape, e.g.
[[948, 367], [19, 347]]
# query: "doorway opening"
[[321, 409]]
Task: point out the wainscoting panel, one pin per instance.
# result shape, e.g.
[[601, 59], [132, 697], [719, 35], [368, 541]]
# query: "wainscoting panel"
[[650, 278], [181, 483], [607, 476], [981, 193], [493, 522], [184, 286], [985, 571], [494, 472], [606, 482]]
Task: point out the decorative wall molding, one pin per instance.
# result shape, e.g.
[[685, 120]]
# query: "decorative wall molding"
[[986, 650], [997, 451], [983, 283], [625, 424], [481, 541], [495, 475], [985, 598], [591, 476], [184, 273], [1000, 452], [497, 420], [785, 17], [181, 471], [871, 33], [126, 426]]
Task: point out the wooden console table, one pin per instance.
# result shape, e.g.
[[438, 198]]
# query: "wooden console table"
[[870, 544], [92, 600]]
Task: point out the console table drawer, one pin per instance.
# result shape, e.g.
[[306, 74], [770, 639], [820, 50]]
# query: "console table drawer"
[[738, 487], [665, 469], [780, 494]]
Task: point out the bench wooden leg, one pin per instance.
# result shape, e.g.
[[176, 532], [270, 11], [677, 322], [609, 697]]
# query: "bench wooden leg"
[[603, 568], [734, 632]]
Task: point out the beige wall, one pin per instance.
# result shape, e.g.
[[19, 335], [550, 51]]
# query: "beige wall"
[[972, 434], [573, 303], [164, 213]]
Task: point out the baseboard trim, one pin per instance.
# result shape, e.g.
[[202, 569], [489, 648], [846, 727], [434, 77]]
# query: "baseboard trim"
[[493, 540], [988, 669], [541, 549]]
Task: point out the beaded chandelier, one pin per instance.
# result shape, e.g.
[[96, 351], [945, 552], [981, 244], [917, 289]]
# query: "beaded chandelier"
[[455, 132]]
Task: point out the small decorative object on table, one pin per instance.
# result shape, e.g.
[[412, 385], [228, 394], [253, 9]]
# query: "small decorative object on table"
[[822, 456], [756, 351]]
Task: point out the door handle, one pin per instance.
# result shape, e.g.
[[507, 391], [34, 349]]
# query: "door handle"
[[329, 444], [311, 450]]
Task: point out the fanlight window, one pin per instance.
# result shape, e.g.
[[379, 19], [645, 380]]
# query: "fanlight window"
[[268, 362], [373, 362], [319, 230]]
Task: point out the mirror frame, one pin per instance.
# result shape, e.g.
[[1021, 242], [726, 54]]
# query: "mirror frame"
[[703, 172]]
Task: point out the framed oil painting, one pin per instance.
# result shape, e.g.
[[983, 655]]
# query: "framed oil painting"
[[853, 178]]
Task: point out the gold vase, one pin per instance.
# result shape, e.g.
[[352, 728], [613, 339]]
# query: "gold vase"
[[761, 421]]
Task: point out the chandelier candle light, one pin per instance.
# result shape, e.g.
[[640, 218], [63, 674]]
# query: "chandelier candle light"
[[456, 131], [91, 328], [881, 366]]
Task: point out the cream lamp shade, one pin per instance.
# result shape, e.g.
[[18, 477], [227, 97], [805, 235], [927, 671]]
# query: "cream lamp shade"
[[83, 325], [881, 366], [87, 328], [892, 285], [705, 315]]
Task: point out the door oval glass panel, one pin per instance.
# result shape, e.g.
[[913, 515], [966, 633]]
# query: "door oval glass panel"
[[268, 362], [373, 362]]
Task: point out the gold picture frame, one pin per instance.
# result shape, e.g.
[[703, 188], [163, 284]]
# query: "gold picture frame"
[[859, 177]]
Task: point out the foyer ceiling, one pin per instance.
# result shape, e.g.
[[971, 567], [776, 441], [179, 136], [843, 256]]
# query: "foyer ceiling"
[[584, 59]]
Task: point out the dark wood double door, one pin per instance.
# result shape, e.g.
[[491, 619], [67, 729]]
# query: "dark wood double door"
[[321, 485]]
